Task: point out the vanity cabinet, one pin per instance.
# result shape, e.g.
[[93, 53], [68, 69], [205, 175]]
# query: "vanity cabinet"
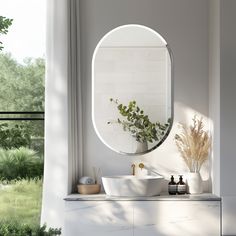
[[156, 216], [102, 218], [177, 218]]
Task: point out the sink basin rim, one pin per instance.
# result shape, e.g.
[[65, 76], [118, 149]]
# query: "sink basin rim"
[[132, 186], [126, 177]]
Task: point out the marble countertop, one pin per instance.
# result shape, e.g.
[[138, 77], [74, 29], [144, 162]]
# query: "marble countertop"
[[162, 197]]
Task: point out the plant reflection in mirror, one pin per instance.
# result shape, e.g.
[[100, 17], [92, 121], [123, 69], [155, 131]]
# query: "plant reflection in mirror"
[[139, 124]]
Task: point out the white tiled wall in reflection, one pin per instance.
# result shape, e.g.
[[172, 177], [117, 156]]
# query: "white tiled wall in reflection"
[[135, 73]]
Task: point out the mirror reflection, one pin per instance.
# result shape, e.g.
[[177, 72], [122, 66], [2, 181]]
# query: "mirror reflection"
[[132, 89]]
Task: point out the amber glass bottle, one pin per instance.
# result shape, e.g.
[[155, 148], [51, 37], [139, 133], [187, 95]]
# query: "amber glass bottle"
[[181, 186], [172, 187]]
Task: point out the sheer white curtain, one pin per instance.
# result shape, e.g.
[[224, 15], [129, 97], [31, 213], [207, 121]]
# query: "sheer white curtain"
[[74, 97], [63, 118]]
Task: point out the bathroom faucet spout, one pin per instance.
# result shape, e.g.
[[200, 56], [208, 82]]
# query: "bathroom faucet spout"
[[133, 169]]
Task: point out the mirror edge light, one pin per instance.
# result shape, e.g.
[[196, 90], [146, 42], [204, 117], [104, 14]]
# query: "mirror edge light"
[[172, 91]]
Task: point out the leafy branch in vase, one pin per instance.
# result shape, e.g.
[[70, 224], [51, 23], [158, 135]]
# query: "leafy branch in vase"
[[139, 124]]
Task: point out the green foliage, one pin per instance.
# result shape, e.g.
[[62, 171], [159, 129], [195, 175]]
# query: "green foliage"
[[37, 144], [22, 86], [139, 124], [22, 89], [21, 201], [41, 231], [14, 136], [20, 163], [11, 228], [4, 25], [17, 229]]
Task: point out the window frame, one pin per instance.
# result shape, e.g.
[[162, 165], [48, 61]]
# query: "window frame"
[[21, 113]]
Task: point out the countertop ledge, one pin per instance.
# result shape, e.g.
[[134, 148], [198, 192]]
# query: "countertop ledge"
[[162, 197]]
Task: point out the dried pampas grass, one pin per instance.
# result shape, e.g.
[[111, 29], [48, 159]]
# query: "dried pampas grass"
[[194, 144]]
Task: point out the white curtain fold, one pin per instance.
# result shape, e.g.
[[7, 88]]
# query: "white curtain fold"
[[74, 97], [63, 109]]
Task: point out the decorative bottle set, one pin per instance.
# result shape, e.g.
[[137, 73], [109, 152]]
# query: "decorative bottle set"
[[177, 188]]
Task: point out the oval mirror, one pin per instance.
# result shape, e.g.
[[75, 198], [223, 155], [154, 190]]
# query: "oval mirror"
[[132, 104]]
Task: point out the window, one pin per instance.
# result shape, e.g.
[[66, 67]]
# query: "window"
[[22, 70]]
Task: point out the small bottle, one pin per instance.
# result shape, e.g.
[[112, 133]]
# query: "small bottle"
[[172, 187], [181, 186]]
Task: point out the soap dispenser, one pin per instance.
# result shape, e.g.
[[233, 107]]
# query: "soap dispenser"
[[172, 187], [181, 186]]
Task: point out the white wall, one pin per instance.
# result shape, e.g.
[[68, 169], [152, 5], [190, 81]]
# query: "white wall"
[[228, 114], [214, 90], [184, 25], [132, 35], [222, 51]]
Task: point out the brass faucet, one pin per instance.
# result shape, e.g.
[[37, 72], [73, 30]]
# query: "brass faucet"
[[133, 169], [141, 165]]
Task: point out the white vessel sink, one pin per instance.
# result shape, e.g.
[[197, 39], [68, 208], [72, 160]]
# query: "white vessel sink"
[[132, 186]]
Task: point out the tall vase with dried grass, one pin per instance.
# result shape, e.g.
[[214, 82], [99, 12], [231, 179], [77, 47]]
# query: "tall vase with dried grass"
[[194, 144]]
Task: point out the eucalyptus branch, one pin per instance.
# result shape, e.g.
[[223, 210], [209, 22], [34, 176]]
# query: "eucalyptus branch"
[[139, 124]]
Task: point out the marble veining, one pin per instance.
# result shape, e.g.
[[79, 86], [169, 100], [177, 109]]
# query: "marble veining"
[[162, 197], [155, 216]]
